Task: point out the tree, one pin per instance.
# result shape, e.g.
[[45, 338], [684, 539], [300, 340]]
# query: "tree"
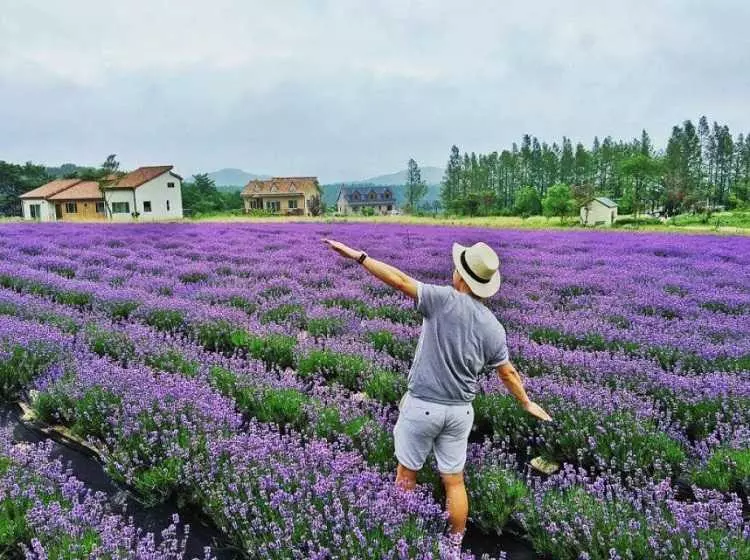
[[105, 177], [416, 188], [451, 180], [317, 207], [559, 202], [16, 180], [204, 184], [528, 202], [643, 170]]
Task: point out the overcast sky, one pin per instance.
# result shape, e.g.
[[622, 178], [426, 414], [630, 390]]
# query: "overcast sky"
[[350, 89]]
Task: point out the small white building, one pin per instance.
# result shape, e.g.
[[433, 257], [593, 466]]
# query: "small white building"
[[148, 193], [599, 211]]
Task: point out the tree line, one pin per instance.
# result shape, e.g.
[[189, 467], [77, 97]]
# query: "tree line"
[[701, 168]]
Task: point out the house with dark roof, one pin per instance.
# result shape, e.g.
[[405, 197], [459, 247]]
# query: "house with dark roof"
[[352, 200], [148, 193], [599, 211], [292, 196]]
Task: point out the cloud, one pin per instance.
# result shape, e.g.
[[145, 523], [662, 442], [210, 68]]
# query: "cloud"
[[351, 89]]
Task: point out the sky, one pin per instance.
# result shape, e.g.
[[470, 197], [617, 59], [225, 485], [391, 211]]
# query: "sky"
[[345, 90]]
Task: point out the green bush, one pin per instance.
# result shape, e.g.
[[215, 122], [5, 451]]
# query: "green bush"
[[403, 315], [242, 303], [19, 366], [193, 277], [288, 313], [273, 349], [93, 412], [726, 470], [122, 309], [581, 435], [360, 308], [385, 386], [386, 341], [346, 369], [166, 320], [154, 485], [325, 326], [274, 292], [606, 517], [112, 344], [14, 529], [172, 361], [495, 494]]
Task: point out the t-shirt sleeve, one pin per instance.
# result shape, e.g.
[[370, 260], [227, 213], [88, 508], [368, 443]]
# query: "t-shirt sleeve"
[[498, 354], [431, 297]]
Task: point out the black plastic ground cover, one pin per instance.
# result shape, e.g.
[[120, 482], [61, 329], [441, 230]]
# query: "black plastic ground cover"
[[89, 471], [515, 548]]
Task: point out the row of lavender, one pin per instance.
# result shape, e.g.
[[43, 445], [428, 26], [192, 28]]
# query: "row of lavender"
[[261, 311]]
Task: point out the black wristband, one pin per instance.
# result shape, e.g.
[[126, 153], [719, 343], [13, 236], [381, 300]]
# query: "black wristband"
[[362, 257]]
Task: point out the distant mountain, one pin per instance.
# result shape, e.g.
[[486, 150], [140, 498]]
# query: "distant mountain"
[[430, 175], [232, 177]]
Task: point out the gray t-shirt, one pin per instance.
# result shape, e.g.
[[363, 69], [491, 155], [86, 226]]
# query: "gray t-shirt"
[[460, 337]]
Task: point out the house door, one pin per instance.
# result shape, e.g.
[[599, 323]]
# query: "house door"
[[58, 211]]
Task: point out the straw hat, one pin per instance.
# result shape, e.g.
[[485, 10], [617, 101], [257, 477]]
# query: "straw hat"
[[478, 266]]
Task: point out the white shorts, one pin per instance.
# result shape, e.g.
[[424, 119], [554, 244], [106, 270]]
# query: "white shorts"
[[424, 426]]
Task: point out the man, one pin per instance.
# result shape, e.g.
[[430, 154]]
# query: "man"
[[460, 337]]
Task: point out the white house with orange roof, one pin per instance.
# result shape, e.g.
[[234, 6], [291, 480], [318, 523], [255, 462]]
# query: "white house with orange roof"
[[146, 194]]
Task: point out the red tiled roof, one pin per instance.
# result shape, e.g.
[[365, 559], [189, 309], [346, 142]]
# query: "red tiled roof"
[[142, 175], [51, 188], [86, 190], [281, 184]]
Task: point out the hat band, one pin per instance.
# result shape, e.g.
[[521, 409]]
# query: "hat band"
[[469, 271]]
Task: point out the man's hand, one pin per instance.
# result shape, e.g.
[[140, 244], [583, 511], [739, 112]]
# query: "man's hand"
[[536, 410], [512, 380], [342, 249]]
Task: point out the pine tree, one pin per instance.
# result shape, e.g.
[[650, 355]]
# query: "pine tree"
[[416, 188], [449, 191]]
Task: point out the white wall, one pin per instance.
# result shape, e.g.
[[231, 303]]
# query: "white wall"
[[119, 195], [155, 191], [597, 212], [158, 193], [47, 210]]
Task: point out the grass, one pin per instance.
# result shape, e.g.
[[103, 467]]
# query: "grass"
[[729, 223]]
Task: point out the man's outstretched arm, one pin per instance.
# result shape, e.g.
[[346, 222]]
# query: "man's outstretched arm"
[[512, 381], [385, 272]]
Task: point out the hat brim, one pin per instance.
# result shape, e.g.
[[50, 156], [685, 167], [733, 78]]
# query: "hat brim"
[[480, 289]]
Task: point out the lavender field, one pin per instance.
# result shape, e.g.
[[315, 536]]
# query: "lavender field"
[[250, 375]]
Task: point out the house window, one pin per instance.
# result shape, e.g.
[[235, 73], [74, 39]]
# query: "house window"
[[387, 195], [35, 210], [273, 205], [100, 208], [71, 208], [390, 207], [147, 206], [293, 204], [372, 195], [256, 204], [170, 185], [121, 208], [167, 206]]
